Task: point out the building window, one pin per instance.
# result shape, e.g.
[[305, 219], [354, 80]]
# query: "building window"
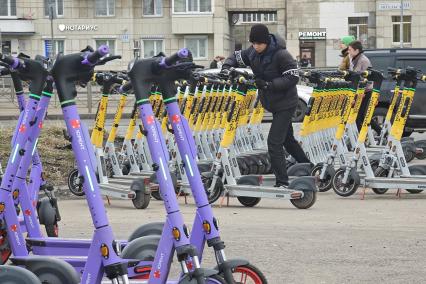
[[197, 46], [105, 7], [58, 47], [7, 8], [406, 29], [192, 6], [358, 27], [152, 7], [257, 17], [109, 42], [152, 47], [58, 7]]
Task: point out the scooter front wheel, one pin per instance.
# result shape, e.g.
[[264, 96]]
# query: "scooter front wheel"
[[16, 274], [322, 184], [248, 274], [74, 183], [348, 188]]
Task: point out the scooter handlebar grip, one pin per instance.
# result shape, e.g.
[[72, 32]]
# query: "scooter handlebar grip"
[[168, 61], [13, 62], [93, 57]]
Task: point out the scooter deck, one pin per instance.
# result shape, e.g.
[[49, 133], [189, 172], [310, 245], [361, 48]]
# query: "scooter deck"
[[264, 192], [62, 246], [117, 191], [395, 183]]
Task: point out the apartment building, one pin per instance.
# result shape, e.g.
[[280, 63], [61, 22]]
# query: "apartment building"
[[207, 27]]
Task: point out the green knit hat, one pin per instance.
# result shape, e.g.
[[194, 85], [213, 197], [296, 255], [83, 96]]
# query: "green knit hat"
[[346, 40]]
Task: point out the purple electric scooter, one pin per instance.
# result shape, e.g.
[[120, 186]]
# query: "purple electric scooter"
[[103, 251], [47, 209], [205, 228], [36, 73]]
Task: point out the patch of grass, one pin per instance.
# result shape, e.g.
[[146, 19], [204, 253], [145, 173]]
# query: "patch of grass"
[[57, 160]]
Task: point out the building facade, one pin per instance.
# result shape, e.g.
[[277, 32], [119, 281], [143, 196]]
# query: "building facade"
[[207, 27]]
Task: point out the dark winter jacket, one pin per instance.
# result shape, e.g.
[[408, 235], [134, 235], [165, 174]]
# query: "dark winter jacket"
[[274, 65]]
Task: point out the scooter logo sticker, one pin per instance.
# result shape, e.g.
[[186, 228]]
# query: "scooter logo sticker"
[[40, 125], [75, 123], [157, 274], [22, 128], [150, 119], [176, 118], [14, 227], [27, 212]]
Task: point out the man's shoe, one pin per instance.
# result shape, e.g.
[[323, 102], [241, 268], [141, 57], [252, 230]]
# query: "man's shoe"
[[281, 185]]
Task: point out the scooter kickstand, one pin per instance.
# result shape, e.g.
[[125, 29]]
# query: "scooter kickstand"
[[398, 193], [108, 200]]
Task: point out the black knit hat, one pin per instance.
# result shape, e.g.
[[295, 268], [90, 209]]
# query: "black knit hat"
[[259, 33]]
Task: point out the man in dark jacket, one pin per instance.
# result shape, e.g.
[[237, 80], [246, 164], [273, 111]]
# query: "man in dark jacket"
[[276, 78]]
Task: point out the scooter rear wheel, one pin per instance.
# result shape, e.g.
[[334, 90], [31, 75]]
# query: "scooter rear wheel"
[[421, 144], [52, 230], [141, 200], [15, 274], [380, 172], [247, 200]]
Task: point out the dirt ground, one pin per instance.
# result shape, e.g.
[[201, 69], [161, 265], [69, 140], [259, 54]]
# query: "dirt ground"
[[376, 240]]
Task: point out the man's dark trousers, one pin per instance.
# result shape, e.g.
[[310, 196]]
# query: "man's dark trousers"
[[281, 134]]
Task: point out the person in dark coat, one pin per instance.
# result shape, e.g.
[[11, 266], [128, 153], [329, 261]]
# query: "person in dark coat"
[[276, 78]]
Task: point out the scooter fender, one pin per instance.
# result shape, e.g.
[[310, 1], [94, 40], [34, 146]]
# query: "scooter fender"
[[300, 169], [230, 264], [188, 279], [303, 183], [46, 212]]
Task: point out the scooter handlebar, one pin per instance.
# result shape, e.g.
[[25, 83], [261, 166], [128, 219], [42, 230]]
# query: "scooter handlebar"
[[171, 60], [91, 58], [13, 62]]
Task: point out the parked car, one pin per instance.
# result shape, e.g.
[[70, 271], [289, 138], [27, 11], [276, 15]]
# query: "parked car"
[[303, 91], [381, 59]]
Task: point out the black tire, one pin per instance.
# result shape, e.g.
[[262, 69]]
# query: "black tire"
[[421, 144], [268, 169], [407, 133], [150, 229], [52, 230], [242, 165], [126, 168], [215, 279], [53, 270], [141, 201], [374, 164], [248, 201], [74, 183], [408, 154], [309, 198], [323, 185], [345, 190], [216, 193], [249, 271], [252, 164], [156, 194], [380, 172], [299, 114], [17, 275], [416, 171]]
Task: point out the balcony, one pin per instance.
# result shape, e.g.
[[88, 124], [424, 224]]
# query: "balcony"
[[192, 24], [16, 27]]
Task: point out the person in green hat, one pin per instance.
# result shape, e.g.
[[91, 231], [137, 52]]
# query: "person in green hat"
[[344, 44]]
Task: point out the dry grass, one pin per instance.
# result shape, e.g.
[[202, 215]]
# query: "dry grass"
[[57, 160]]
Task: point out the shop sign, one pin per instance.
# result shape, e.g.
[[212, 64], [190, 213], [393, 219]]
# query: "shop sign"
[[77, 28], [384, 6], [312, 35]]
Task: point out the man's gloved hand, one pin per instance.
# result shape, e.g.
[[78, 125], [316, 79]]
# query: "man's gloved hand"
[[224, 73], [262, 84]]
